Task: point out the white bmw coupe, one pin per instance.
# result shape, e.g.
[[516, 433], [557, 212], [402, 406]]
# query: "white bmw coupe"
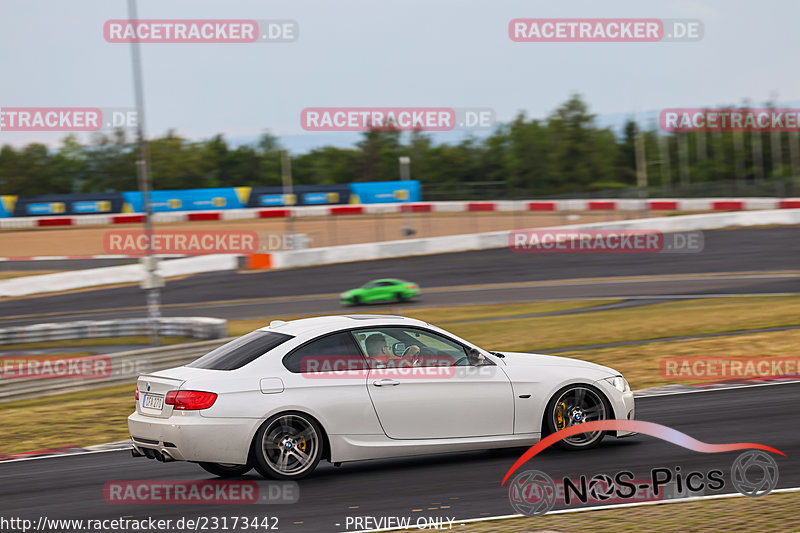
[[345, 388]]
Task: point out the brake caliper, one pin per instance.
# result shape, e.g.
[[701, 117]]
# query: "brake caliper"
[[561, 422]]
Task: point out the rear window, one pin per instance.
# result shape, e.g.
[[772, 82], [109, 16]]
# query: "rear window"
[[241, 351]]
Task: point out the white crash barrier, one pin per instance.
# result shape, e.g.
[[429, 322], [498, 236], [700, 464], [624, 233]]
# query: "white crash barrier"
[[78, 279]]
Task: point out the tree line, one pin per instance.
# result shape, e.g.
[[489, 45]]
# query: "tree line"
[[564, 153]]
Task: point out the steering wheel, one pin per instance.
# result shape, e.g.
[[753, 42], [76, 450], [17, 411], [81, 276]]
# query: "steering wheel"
[[416, 359]]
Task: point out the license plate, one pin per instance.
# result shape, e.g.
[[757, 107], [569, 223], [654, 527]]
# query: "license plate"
[[153, 401]]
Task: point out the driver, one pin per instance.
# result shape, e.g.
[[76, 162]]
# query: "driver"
[[377, 346]]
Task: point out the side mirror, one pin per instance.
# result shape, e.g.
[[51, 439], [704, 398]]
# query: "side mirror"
[[398, 348], [474, 356]]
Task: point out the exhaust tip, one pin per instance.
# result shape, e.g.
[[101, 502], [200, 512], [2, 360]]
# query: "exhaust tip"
[[136, 453], [166, 457]]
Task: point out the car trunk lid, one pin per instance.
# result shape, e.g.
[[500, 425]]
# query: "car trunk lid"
[[152, 393]]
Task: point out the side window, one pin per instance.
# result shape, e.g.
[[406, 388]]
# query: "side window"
[[436, 349], [330, 353], [420, 347], [241, 351], [439, 350]]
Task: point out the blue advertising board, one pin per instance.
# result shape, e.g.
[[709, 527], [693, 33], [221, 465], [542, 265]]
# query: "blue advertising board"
[[189, 200], [7, 206], [383, 192], [301, 195], [211, 199], [66, 204]]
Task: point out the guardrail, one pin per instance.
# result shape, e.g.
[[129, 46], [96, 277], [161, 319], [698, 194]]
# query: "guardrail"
[[194, 327], [125, 368]]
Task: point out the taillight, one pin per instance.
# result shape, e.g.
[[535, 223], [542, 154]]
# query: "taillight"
[[411, 286], [190, 400], [137, 393]]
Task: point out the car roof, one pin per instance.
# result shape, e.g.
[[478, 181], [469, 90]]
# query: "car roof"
[[315, 326]]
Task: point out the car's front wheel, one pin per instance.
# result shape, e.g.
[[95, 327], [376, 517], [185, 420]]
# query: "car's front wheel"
[[288, 446], [225, 470], [574, 405]]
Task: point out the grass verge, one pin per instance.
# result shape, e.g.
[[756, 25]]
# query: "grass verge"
[[690, 317], [72, 419], [438, 315], [640, 364]]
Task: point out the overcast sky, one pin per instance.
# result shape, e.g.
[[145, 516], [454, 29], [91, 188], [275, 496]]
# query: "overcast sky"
[[387, 53]]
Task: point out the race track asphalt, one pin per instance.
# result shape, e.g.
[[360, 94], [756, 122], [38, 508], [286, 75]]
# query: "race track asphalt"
[[467, 483], [286, 292]]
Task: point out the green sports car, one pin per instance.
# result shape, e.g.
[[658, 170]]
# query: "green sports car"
[[381, 290]]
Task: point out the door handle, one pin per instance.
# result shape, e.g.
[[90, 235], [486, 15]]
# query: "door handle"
[[382, 382]]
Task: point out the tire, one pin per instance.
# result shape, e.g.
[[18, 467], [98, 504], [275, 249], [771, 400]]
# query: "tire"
[[356, 300], [571, 406], [288, 446], [399, 298], [224, 470]]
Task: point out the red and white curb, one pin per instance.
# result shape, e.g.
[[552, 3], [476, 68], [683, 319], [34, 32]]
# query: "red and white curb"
[[684, 204]]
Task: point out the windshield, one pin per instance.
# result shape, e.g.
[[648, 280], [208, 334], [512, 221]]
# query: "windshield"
[[241, 351]]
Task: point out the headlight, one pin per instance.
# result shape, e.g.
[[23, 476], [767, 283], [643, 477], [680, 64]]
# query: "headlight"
[[619, 383], [344, 295]]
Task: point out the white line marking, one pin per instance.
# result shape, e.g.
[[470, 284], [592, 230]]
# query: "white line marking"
[[725, 388], [64, 455], [596, 508]]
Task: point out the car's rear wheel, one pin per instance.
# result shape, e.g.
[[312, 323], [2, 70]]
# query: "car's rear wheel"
[[288, 446], [574, 405], [399, 297], [226, 470]]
